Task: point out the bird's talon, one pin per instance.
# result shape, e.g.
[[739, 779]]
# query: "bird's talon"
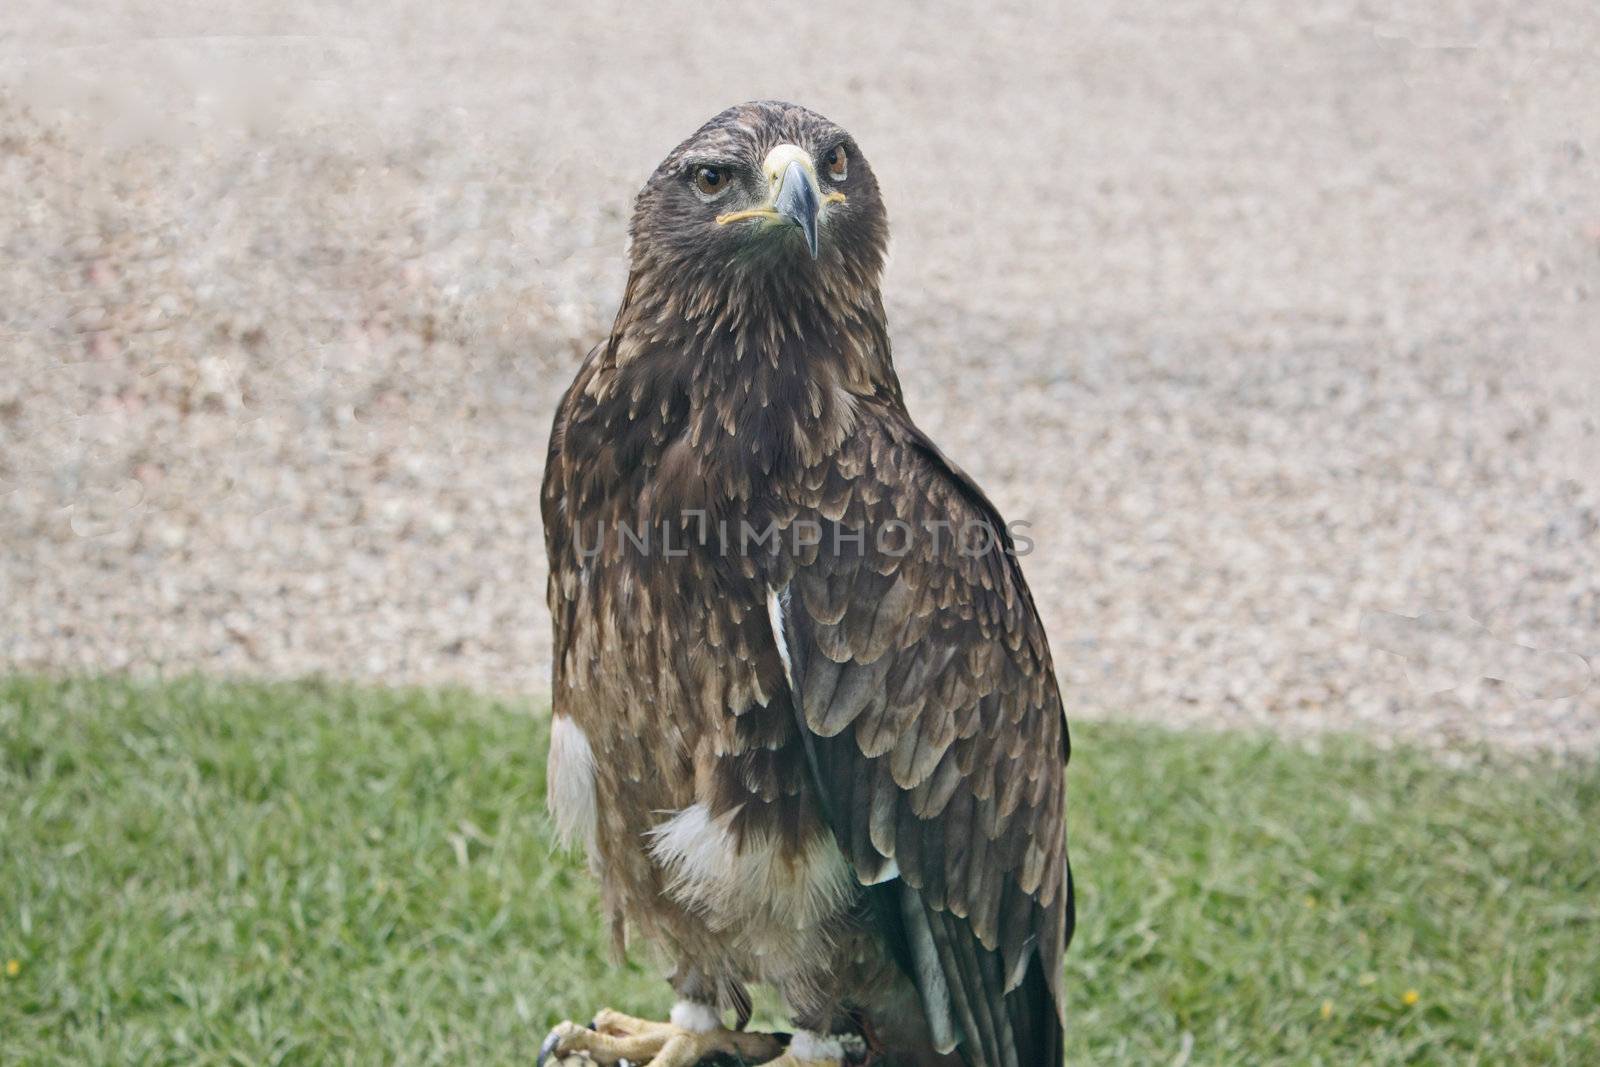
[[553, 1052], [617, 1040]]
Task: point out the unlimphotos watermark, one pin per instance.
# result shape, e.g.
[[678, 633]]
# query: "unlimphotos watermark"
[[696, 530]]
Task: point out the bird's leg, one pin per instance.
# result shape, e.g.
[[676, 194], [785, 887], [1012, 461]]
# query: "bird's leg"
[[694, 1033]]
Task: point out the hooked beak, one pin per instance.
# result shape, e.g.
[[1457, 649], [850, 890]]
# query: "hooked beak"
[[796, 198], [799, 200]]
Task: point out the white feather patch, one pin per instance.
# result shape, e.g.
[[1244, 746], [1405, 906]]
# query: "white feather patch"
[[570, 790], [775, 604], [695, 1018], [760, 890], [808, 1047]]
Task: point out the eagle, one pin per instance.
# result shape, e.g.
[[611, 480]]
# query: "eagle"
[[805, 721]]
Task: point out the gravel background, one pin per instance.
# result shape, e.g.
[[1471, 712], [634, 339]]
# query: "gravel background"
[[1281, 330]]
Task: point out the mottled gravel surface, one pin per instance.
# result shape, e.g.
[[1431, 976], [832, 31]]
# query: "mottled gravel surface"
[[1283, 331]]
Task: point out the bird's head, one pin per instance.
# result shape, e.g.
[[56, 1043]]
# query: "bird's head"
[[763, 187]]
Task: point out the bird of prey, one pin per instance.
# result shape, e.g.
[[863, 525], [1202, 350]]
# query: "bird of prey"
[[805, 720]]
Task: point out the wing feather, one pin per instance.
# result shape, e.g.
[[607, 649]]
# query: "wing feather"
[[934, 725]]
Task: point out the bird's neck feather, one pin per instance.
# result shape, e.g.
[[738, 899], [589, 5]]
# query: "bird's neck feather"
[[759, 375]]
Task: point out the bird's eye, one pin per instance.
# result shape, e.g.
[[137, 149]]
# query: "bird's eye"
[[838, 162], [711, 182]]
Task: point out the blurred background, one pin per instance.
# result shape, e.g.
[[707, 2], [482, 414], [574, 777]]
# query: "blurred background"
[[1278, 323]]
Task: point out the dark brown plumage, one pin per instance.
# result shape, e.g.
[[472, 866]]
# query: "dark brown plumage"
[[830, 758]]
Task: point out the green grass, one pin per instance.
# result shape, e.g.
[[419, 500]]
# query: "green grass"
[[207, 873]]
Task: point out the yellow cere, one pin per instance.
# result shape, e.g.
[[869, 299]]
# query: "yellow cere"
[[774, 165]]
